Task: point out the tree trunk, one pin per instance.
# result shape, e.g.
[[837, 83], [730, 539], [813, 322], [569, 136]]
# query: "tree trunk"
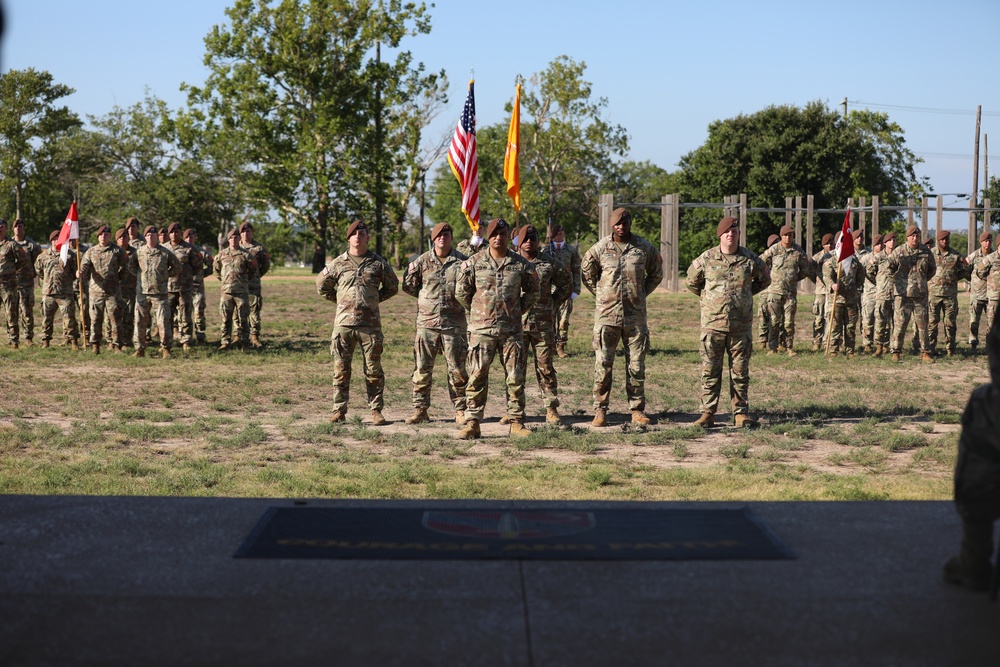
[[322, 231]]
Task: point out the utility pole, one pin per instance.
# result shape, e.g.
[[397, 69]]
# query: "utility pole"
[[844, 104], [974, 200]]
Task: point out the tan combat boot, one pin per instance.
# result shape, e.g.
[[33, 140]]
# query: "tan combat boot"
[[377, 418], [470, 432], [815, 347], [45, 343], [255, 341], [28, 342], [141, 352], [223, 346], [561, 351], [75, 345], [419, 416], [165, 353], [792, 353], [771, 352], [186, 347], [97, 348], [505, 419], [879, 351], [459, 417], [338, 417], [744, 421], [13, 345], [552, 417], [926, 358], [896, 356], [600, 417], [518, 429], [639, 417], [707, 420]]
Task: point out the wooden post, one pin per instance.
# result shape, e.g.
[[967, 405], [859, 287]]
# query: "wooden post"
[[973, 203], [923, 217], [909, 211], [798, 220], [809, 225], [667, 248], [788, 211], [874, 216], [675, 270], [862, 217], [605, 206], [743, 218], [939, 225], [986, 220]]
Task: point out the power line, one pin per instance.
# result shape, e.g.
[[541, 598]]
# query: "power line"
[[900, 107]]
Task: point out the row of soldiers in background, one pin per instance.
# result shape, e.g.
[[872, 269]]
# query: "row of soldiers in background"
[[134, 286], [881, 289]]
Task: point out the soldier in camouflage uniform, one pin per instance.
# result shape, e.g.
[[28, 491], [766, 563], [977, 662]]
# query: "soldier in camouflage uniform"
[[951, 267], [154, 265], [132, 227], [989, 272], [843, 281], [788, 264], [763, 315], [569, 256], [233, 267], [725, 278], [881, 283], [26, 281], [263, 264], [102, 268], [621, 269], [912, 265], [198, 286], [357, 281], [441, 323], [12, 260], [539, 322], [497, 287], [181, 287], [126, 296], [819, 302], [57, 293], [868, 298], [470, 247], [977, 288]]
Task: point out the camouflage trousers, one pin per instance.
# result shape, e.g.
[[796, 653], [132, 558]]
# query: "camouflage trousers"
[[152, 309], [256, 303], [635, 341], [342, 345], [563, 312], [977, 308], [867, 319], [883, 320], [63, 304], [126, 319], [482, 350], [101, 306], [10, 296], [781, 309], [943, 315], [542, 345], [454, 347], [843, 324], [714, 346], [182, 308], [84, 322], [198, 312], [903, 309], [234, 310], [27, 311], [991, 312], [819, 319], [763, 323]]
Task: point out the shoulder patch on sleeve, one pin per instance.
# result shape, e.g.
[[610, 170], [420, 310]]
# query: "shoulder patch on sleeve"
[[325, 271]]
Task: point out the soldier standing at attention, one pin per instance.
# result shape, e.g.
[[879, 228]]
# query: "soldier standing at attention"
[[57, 293], [441, 323], [951, 267], [763, 316], [539, 321], [26, 281], [842, 302], [879, 285], [868, 297], [102, 268], [154, 265], [861, 254], [232, 267], [725, 278], [263, 265], [357, 281], [569, 256], [496, 286], [180, 287], [134, 237], [198, 286], [911, 265], [621, 269], [788, 264], [12, 259], [977, 288], [819, 302], [126, 298], [989, 272]]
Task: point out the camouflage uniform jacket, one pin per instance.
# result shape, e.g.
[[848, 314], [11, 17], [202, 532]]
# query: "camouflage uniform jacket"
[[788, 266], [977, 286], [951, 268], [849, 285], [129, 279], [103, 266], [432, 282], [989, 272], [191, 260], [570, 258], [819, 259], [357, 289], [878, 274], [233, 268], [863, 255], [621, 279], [912, 269], [57, 280], [26, 276], [137, 243], [497, 292], [465, 247], [554, 287], [726, 286], [154, 266], [206, 266], [262, 263], [12, 259]]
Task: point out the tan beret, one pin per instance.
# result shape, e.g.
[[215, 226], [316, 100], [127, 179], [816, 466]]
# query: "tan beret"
[[827, 239], [785, 229], [497, 225], [772, 239], [439, 229], [150, 229], [985, 236], [526, 231], [188, 232], [725, 225], [120, 233], [620, 214], [245, 226], [232, 232], [877, 239], [102, 229], [54, 236], [943, 234], [173, 227], [351, 228], [912, 229], [131, 220]]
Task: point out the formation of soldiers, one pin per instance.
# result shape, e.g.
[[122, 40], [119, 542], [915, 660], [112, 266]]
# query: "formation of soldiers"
[[132, 288]]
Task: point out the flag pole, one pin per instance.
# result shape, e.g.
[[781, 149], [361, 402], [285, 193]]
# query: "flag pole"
[[75, 245], [829, 327]]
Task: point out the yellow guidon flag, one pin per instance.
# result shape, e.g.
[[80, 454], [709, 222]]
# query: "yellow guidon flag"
[[511, 173]]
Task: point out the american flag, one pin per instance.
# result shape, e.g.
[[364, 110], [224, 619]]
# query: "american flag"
[[464, 160]]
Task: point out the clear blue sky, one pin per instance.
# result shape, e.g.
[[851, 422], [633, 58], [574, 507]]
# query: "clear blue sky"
[[667, 67]]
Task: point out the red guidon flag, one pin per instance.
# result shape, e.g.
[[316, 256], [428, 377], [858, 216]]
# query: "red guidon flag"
[[845, 244], [70, 231]]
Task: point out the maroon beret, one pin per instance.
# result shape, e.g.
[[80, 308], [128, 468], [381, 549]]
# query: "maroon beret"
[[120, 233], [620, 214], [54, 236], [173, 227], [912, 229], [132, 220], [497, 225], [150, 229], [102, 229], [18, 221], [943, 234], [985, 236], [351, 228], [245, 226], [772, 239], [858, 234], [439, 229], [785, 229], [827, 239], [725, 225], [526, 231], [877, 239], [188, 232], [232, 232]]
